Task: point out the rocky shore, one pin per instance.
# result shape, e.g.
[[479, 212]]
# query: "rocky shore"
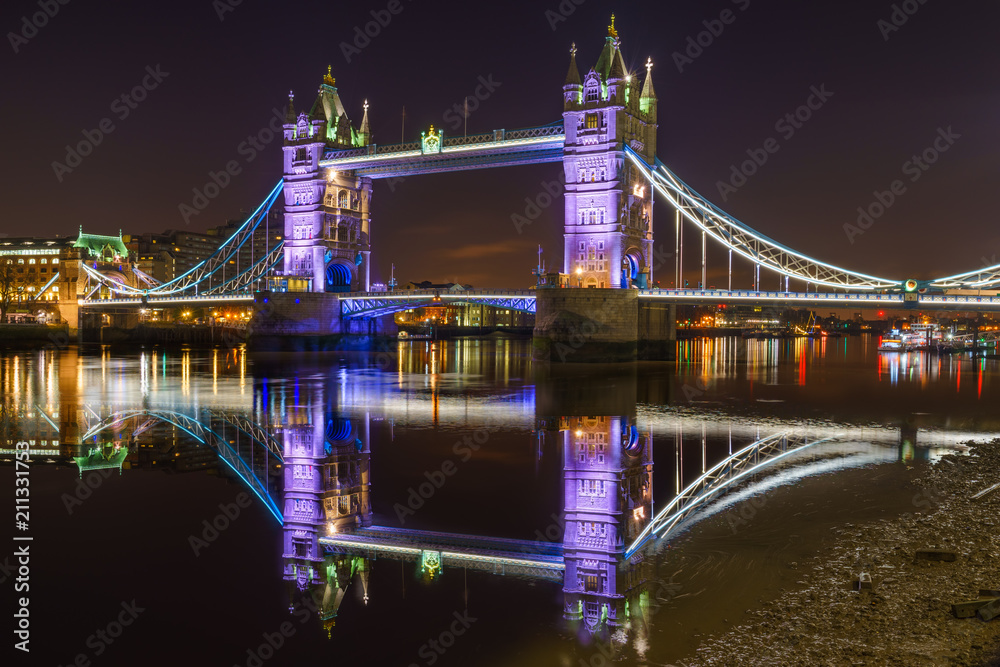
[[906, 617]]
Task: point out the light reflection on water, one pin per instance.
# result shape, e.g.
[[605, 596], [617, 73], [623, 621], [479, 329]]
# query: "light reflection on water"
[[343, 417]]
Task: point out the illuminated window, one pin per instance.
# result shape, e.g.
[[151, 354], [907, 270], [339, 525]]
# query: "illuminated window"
[[592, 121], [31, 261], [20, 261], [43, 261]]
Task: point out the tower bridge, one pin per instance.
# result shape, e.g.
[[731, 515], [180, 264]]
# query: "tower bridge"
[[314, 288]]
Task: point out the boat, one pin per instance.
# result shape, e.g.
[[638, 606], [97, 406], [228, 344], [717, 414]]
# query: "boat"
[[917, 337], [892, 342], [406, 335]]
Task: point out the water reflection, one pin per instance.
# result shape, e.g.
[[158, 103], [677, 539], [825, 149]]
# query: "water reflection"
[[304, 436]]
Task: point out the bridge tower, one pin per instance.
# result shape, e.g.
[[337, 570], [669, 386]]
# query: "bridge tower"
[[303, 452], [327, 214], [608, 477], [609, 207]]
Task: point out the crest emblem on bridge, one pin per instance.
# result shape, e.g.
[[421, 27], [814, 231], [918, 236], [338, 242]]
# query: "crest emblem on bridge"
[[430, 142]]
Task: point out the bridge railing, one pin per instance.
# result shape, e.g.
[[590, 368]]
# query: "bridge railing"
[[764, 294], [486, 138], [437, 292], [156, 300]]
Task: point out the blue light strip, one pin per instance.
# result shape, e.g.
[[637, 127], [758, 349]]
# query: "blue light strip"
[[160, 290], [47, 285]]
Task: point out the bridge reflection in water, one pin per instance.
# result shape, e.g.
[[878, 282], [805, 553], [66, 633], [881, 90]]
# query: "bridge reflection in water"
[[304, 448], [602, 546]]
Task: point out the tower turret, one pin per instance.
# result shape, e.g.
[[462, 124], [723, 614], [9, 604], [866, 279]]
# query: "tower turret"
[[365, 133], [573, 88]]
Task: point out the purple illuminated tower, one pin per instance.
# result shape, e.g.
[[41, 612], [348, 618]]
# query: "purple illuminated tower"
[[327, 213], [608, 477], [609, 213], [326, 490]]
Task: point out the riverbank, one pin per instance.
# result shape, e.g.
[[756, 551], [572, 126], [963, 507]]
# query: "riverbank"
[[14, 336], [906, 619]]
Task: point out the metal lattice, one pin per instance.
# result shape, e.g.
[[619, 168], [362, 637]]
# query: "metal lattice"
[[744, 462], [743, 240], [205, 434], [365, 305]]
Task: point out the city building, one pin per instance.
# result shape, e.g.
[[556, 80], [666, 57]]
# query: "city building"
[[41, 279]]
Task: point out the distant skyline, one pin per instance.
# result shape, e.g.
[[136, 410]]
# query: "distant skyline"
[[165, 100]]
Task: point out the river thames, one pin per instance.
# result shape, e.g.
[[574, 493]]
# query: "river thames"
[[202, 494]]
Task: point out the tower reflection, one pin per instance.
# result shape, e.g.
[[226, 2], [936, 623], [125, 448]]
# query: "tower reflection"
[[587, 422]]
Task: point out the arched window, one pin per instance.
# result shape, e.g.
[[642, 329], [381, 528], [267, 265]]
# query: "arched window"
[[592, 94], [342, 199]]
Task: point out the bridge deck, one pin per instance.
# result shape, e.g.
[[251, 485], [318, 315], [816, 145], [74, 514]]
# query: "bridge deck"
[[541, 560], [495, 149]]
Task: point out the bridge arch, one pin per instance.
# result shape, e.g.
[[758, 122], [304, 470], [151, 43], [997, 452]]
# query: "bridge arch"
[[339, 276]]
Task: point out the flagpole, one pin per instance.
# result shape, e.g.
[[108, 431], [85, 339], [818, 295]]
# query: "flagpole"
[[402, 129]]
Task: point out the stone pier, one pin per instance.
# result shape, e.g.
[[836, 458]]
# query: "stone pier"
[[310, 322], [600, 326]]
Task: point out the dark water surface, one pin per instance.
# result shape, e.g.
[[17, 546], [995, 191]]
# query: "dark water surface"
[[134, 451]]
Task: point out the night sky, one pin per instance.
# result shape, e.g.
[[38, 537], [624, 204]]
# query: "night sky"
[[893, 89]]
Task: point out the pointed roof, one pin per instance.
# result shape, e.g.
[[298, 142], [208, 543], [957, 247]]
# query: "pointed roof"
[[647, 87], [98, 245], [603, 66], [617, 65], [573, 75], [318, 111], [332, 107], [606, 61], [365, 128]]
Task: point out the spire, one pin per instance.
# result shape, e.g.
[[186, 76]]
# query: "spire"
[[365, 128], [647, 87], [328, 79], [617, 66], [290, 113], [573, 75], [606, 62]]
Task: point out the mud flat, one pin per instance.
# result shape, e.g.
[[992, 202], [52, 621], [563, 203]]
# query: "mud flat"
[[906, 617]]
